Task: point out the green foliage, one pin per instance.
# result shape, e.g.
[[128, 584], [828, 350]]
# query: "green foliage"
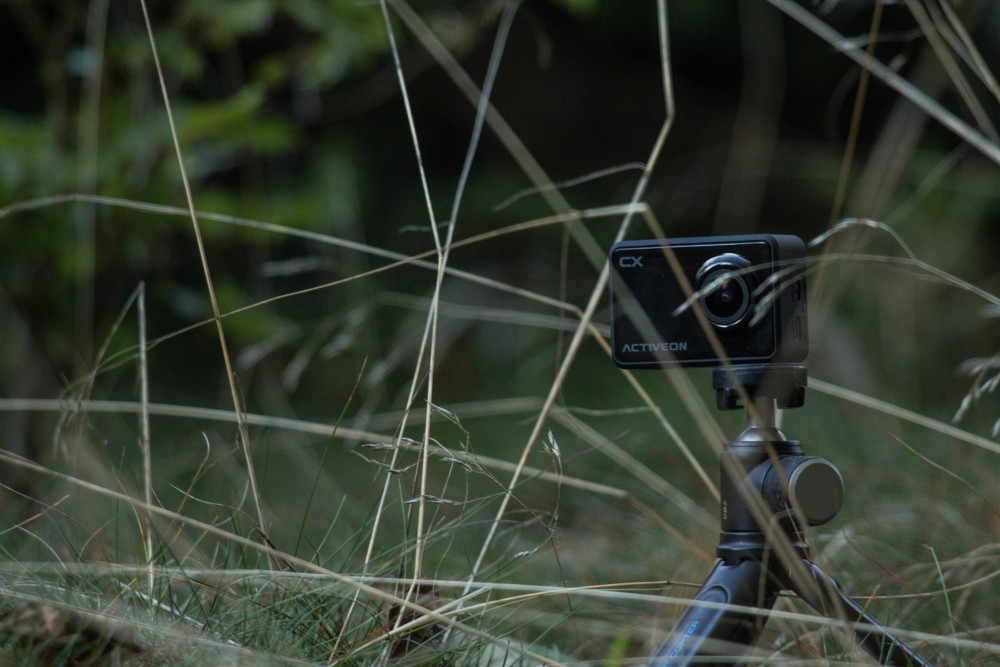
[[580, 7]]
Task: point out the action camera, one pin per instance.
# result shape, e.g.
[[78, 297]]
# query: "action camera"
[[709, 300]]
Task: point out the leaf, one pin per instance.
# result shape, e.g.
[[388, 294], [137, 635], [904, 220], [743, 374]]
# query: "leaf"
[[227, 20], [578, 7]]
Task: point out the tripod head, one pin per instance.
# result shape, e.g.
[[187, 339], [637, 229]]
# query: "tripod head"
[[763, 465]]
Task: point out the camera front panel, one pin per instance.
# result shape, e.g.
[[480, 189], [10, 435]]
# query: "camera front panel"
[[648, 332]]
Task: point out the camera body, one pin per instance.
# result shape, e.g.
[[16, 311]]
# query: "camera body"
[[751, 290]]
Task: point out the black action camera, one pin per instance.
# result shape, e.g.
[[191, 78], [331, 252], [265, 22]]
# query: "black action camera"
[[751, 290]]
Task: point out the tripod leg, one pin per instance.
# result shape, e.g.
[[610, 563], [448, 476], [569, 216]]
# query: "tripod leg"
[[716, 631], [825, 596]]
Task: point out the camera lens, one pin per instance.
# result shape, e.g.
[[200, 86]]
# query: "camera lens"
[[728, 304]]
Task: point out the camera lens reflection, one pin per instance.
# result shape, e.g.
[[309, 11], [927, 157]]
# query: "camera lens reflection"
[[727, 305]]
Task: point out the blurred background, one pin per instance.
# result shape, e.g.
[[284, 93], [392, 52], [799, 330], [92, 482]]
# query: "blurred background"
[[289, 112]]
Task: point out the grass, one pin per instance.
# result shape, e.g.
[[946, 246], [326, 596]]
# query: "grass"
[[426, 456]]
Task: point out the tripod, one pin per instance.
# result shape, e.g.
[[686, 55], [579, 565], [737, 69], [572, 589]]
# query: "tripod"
[[769, 489]]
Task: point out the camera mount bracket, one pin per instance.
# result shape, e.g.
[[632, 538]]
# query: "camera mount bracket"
[[785, 384]]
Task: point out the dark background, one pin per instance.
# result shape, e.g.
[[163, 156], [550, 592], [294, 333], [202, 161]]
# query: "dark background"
[[290, 113]]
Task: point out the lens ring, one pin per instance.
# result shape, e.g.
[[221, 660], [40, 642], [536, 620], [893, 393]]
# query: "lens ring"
[[728, 305]]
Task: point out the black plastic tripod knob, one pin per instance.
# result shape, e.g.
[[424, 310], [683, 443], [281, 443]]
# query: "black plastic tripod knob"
[[815, 489]]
